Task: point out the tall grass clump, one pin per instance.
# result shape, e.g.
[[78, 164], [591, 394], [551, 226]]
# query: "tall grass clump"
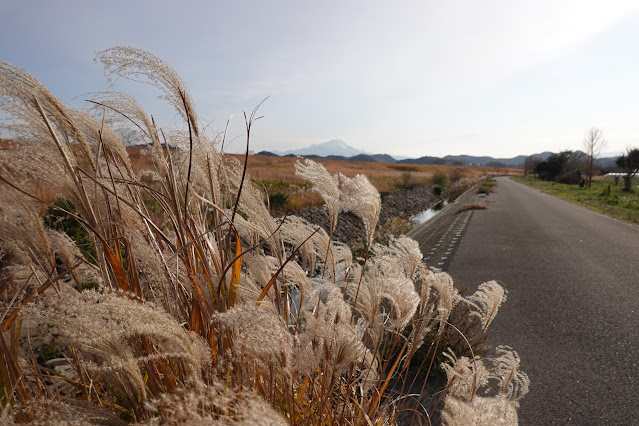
[[186, 301]]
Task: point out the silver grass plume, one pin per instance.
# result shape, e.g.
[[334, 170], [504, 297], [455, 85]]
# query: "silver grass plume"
[[404, 255], [487, 300], [37, 161], [295, 231], [484, 391], [504, 367], [386, 288], [141, 66], [120, 108], [465, 376], [359, 196], [427, 313], [258, 336], [26, 100], [447, 295], [326, 334], [214, 404], [368, 291], [324, 183], [23, 233], [394, 268], [97, 134], [99, 326], [68, 412], [403, 299], [480, 411]]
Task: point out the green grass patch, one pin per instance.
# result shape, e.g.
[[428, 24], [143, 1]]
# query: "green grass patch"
[[603, 197], [487, 185]]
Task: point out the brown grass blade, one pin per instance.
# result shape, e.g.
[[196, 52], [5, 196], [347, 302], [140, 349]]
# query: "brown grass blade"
[[271, 283], [116, 266], [235, 272]]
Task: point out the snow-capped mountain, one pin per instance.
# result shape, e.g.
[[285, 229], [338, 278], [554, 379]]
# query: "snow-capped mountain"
[[333, 147]]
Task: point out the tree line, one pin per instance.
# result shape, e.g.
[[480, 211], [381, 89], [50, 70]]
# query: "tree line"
[[576, 167]]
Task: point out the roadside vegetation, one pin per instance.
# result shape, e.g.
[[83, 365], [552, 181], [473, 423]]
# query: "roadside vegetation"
[[171, 295], [471, 206], [487, 185], [603, 196]]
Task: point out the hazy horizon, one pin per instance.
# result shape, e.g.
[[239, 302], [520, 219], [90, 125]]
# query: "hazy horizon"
[[604, 154], [412, 79]]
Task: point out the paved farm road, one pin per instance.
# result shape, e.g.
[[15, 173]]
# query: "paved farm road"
[[572, 311]]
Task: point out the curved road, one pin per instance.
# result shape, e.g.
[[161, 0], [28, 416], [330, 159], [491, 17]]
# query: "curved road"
[[572, 311]]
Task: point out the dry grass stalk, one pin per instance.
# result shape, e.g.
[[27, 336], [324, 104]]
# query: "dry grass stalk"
[[204, 307], [471, 206]]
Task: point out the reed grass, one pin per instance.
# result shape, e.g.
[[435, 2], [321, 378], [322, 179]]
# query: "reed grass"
[[203, 307], [471, 206]]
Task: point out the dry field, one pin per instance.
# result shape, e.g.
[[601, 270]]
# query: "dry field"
[[386, 177], [277, 174]]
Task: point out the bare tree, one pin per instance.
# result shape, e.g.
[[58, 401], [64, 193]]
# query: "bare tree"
[[530, 163], [594, 143], [130, 136]]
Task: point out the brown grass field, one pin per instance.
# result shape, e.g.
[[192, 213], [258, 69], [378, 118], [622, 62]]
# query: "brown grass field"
[[386, 177], [277, 174]]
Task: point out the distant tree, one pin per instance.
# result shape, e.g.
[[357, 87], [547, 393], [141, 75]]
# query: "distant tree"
[[130, 136], [629, 163], [553, 166], [496, 164], [594, 143], [562, 167], [529, 165]]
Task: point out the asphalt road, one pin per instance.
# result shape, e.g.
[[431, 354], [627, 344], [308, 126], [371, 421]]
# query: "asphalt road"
[[572, 311]]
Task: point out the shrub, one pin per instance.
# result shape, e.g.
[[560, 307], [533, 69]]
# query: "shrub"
[[456, 189], [407, 180], [571, 178], [439, 178], [211, 310], [455, 175], [278, 201]]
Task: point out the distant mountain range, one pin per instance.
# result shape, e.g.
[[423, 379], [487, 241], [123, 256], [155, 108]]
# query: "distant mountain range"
[[333, 147], [337, 149]]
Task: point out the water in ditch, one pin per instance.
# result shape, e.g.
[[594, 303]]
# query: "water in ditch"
[[428, 214]]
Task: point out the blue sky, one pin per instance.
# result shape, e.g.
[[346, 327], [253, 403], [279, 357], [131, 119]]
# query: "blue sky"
[[409, 78]]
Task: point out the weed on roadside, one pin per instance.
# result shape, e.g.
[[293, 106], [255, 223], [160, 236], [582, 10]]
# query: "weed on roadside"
[[471, 206], [602, 197]]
